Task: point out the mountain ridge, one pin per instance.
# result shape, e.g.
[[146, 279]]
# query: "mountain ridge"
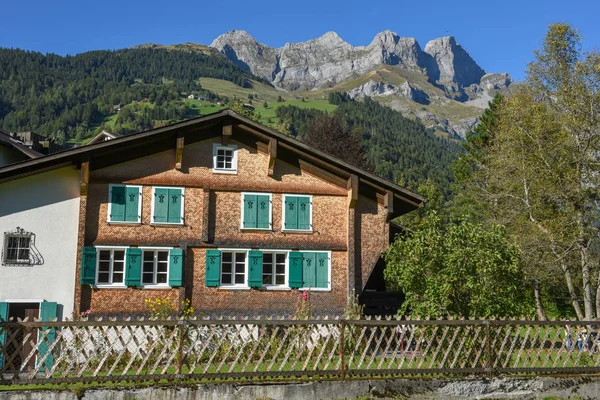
[[328, 59]]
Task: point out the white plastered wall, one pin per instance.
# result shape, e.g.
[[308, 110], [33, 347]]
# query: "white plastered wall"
[[46, 204]]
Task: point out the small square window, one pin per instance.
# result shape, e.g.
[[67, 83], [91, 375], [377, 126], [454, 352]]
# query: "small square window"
[[17, 248], [111, 267], [224, 159]]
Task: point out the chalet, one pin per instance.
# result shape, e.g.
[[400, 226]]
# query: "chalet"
[[103, 136], [12, 149], [219, 209]]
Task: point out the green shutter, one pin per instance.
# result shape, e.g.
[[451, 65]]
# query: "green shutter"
[[176, 267], [291, 212], [117, 203], [295, 269], [133, 258], [304, 210], [3, 318], [322, 270], [263, 208], [161, 204], [308, 269], [255, 268], [213, 268], [45, 355], [132, 201], [175, 198], [250, 211], [87, 274]]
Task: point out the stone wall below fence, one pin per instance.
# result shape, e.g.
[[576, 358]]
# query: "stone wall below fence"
[[587, 387]]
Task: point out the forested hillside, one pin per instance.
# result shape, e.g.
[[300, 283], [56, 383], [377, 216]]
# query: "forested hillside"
[[400, 149], [71, 96]]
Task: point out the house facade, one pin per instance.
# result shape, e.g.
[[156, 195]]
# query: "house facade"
[[227, 213], [39, 223]]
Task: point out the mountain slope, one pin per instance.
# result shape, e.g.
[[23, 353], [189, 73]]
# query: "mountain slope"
[[442, 72]]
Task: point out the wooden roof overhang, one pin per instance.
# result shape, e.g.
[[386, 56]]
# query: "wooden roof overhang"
[[224, 123]]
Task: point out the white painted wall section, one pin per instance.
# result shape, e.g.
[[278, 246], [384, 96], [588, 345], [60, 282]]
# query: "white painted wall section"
[[46, 204]]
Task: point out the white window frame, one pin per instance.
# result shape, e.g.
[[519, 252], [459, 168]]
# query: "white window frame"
[[283, 228], [112, 249], [234, 159], [17, 262], [155, 271], [182, 205], [234, 285], [270, 211], [286, 284], [110, 186], [328, 288]]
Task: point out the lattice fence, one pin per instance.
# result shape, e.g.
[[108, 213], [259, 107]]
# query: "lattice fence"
[[264, 350]]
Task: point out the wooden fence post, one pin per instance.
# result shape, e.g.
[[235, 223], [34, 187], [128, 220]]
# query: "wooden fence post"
[[342, 345], [182, 328], [488, 353]]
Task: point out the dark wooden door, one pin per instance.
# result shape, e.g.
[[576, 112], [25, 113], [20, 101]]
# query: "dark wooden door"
[[31, 334]]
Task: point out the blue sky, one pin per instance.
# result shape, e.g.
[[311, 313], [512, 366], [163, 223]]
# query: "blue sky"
[[500, 36]]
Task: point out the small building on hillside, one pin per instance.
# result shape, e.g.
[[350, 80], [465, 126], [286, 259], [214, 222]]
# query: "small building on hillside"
[[13, 150], [191, 97], [104, 136]]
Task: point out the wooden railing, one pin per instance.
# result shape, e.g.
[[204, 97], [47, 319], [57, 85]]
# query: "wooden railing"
[[278, 349]]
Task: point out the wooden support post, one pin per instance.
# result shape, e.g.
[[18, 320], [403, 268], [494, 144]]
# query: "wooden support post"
[[353, 187], [272, 156], [85, 177], [389, 204], [227, 132], [179, 153], [206, 215]]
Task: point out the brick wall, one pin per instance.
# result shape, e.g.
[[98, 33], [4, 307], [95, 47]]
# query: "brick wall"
[[330, 228], [210, 300], [371, 236]]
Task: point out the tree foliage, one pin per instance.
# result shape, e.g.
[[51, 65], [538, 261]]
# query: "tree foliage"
[[536, 170], [458, 269], [48, 93]]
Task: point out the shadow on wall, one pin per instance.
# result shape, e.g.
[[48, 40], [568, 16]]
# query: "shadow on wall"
[[37, 191]]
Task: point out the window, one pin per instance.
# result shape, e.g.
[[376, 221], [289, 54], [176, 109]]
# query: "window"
[[167, 207], [274, 269], [315, 270], [155, 267], [297, 213], [111, 267], [224, 159], [256, 211], [17, 248], [233, 268], [124, 204]]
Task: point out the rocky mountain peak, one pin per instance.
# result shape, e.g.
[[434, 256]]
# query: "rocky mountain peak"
[[453, 62]]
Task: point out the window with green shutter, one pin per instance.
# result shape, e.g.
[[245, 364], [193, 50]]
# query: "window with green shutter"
[[176, 267], [168, 206], [88, 266], [255, 268], [133, 275], [125, 203], [297, 213], [315, 269], [256, 211], [213, 268]]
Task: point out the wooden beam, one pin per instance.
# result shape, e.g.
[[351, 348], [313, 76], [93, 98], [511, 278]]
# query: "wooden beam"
[[272, 156], [179, 152], [353, 190], [388, 203], [85, 178], [205, 214], [227, 131], [321, 173]]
